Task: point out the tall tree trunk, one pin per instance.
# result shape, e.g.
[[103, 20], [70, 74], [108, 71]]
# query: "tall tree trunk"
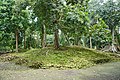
[[30, 42], [56, 39], [119, 30], [113, 37], [90, 42], [37, 40], [119, 36], [113, 41], [43, 38], [24, 41], [84, 41], [16, 34], [76, 40]]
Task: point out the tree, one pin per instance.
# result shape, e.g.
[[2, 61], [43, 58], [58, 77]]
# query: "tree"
[[75, 21], [20, 19], [14, 18], [5, 20], [48, 13], [42, 11], [110, 13]]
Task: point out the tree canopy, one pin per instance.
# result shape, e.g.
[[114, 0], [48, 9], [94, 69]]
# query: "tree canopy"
[[42, 23]]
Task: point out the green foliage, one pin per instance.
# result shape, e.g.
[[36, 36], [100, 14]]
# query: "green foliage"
[[14, 16], [6, 42], [99, 32], [77, 21], [109, 11]]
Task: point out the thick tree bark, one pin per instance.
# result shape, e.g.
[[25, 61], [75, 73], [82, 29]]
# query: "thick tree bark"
[[113, 41], [84, 42], [112, 47], [43, 37], [118, 30], [76, 40], [38, 40], [90, 42], [30, 42], [16, 34], [24, 41], [113, 37], [56, 39], [118, 36]]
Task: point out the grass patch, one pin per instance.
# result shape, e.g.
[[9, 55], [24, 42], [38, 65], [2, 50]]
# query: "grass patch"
[[64, 58]]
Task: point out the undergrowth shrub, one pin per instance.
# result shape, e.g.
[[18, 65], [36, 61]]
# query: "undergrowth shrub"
[[21, 61], [102, 60], [9, 58], [36, 65]]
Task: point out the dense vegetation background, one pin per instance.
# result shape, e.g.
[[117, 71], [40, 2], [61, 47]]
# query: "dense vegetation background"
[[27, 24]]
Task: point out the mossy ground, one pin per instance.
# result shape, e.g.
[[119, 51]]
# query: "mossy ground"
[[64, 58]]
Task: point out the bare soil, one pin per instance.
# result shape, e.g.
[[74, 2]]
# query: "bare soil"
[[109, 71]]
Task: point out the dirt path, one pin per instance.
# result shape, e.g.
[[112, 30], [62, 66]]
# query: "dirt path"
[[109, 71]]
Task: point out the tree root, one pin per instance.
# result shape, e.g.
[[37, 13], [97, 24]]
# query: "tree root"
[[109, 48]]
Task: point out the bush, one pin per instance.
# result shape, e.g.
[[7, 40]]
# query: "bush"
[[9, 58], [100, 61], [36, 65], [21, 61]]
